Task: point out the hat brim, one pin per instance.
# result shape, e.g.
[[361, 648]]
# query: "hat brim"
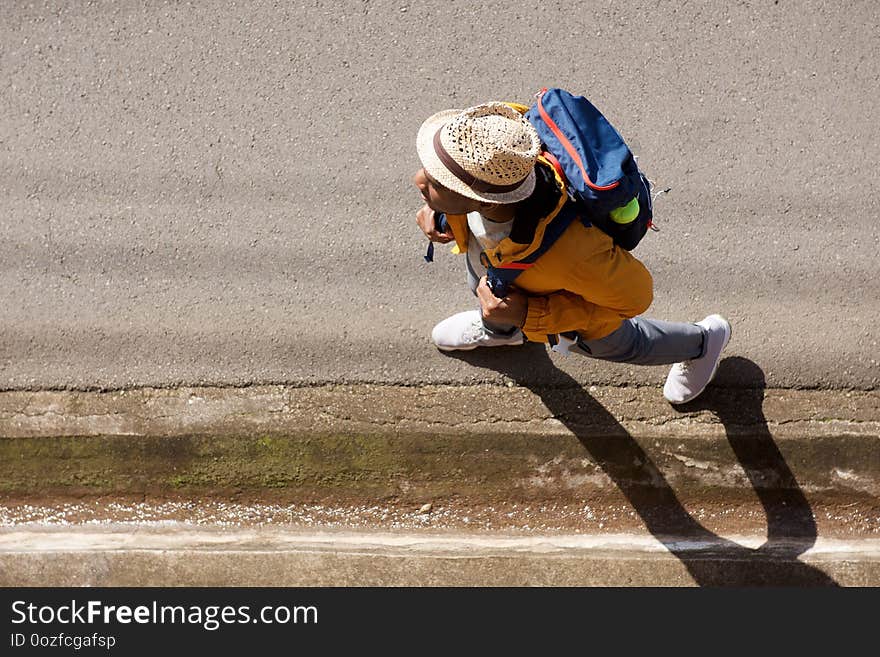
[[433, 165]]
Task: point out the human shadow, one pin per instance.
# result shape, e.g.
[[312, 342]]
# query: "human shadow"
[[710, 559]]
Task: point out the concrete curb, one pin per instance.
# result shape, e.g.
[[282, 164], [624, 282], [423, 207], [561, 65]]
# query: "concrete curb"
[[475, 410], [187, 556], [480, 441], [790, 470]]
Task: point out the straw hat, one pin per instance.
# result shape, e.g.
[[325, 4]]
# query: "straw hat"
[[486, 152]]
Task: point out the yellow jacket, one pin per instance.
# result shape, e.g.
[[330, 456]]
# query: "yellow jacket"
[[583, 283]]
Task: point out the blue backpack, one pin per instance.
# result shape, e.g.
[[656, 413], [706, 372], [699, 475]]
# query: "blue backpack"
[[601, 172]]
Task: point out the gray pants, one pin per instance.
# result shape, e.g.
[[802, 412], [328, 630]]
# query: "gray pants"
[[643, 341], [638, 341]]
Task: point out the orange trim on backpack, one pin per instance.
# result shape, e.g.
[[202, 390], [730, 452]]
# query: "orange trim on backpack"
[[515, 265], [547, 155], [567, 145]]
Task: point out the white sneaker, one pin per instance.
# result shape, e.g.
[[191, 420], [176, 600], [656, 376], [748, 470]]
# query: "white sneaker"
[[689, 378], [465, 331]]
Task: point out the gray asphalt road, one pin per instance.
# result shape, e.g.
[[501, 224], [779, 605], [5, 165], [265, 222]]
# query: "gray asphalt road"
[[221, 194]]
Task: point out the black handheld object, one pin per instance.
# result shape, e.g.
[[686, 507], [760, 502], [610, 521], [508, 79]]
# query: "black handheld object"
[[440, 225], [496, 285]]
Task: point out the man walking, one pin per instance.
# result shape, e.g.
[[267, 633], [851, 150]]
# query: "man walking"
[[483, 173]]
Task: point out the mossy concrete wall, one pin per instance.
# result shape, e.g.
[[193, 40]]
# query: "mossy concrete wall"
[[484, 441]]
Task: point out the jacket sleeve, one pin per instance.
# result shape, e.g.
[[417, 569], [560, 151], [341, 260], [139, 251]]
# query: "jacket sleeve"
[[592, 295], [458, 225]]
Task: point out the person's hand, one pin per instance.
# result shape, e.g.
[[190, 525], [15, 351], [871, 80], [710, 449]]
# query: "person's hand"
[[512, 309], [425, 220]]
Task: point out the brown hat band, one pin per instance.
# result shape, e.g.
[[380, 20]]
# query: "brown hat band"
[[467, 178]]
